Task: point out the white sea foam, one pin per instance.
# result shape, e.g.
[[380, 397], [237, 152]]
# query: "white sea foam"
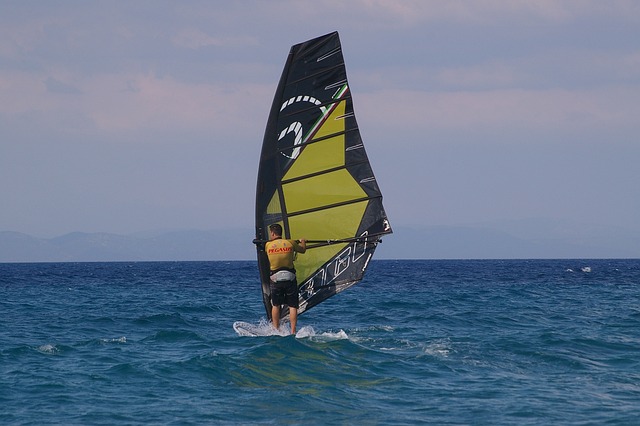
[[306, 331], [117, 340], [48, 349], [263, 328], [440, 348], [309, 332], [582, 269]]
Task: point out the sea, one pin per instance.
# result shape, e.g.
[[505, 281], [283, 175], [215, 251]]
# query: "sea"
[[442, 342]]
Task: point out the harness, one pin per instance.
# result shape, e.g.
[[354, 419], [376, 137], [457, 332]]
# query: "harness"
[[283, 275]]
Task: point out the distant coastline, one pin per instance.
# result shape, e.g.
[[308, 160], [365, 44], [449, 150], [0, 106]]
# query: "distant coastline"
[[533, 241]]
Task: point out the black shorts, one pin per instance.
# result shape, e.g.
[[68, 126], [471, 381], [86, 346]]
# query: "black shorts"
[[285, 293]]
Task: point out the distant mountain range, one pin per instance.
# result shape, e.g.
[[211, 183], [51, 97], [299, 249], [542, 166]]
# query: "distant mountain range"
[[103, 247], [515, 240], [510, 242]]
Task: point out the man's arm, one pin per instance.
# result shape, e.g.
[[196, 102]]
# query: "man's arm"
[[301, 246]]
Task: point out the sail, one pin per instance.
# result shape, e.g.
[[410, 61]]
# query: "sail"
[[314, 176]]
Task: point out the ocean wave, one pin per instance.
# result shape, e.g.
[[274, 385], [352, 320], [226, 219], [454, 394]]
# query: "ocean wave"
[[486, 342]]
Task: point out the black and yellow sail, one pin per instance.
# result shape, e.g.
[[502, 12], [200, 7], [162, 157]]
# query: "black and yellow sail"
[[315, 178]]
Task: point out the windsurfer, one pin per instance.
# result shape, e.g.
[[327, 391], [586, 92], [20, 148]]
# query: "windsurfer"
[[284, 286]]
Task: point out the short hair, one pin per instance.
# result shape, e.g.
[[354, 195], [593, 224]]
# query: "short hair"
[[276, 228]]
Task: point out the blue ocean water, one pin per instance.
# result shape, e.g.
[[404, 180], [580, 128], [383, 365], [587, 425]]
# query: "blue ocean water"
[[434, 342]]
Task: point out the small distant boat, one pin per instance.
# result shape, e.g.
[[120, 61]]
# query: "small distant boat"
[[314, 176]]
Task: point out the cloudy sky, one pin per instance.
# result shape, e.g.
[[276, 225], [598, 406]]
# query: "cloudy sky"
[[127, 116]]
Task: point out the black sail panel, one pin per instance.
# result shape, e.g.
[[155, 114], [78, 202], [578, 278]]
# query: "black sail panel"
[[314, 176]]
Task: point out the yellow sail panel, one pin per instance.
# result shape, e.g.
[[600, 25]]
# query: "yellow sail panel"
[[320, 191], [334, 123], [318, 157], [274, 205], [325, 154], [337, 223], [309, 262], [330, 224]]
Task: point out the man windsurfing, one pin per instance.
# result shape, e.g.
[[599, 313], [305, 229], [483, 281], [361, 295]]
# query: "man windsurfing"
[[284, 285]]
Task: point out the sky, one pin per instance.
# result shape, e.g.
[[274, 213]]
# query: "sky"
[[133, 116]]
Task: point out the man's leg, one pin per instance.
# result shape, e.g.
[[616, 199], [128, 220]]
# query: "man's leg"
[[275, 316], [293, 317]]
